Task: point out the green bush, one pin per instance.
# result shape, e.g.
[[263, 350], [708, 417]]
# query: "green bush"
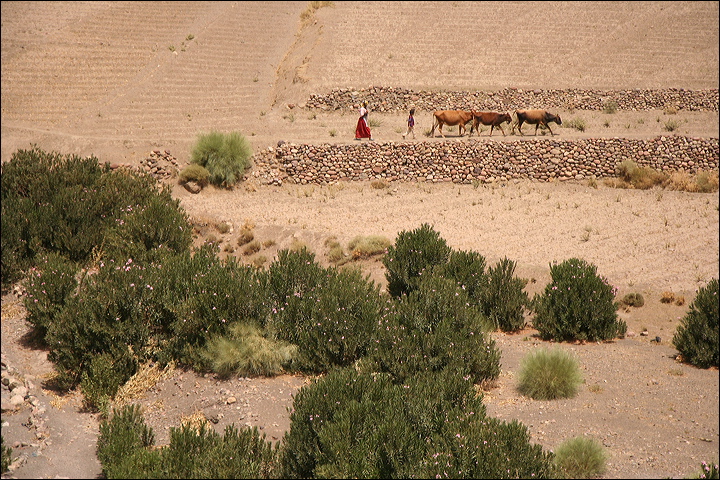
[[433, 329], [708, 470], [413, 254], [504, 300], [198, 296], [48, 287], [121, 436], [549, 374], [67, 204], [332, 323], [101, 380], [639, 177], [225, 156], [467, 269], [245, 351], [6, 455], [580, 457], [243, 453], [610, 106], [696, 338], [634, 300], [364, 425], [108, 316], [147, 232], [125, 451], [577, 305]]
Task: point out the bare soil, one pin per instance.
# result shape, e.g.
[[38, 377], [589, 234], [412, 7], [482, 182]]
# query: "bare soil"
[[117, 80]]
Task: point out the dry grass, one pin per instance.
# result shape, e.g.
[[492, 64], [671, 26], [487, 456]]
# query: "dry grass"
[[363, 247], [147, 376], [251, 248]]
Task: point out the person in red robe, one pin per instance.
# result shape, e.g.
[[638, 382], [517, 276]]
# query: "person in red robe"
[[362, 130]]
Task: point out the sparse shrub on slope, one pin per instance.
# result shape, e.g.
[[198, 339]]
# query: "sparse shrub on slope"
[[696, 338], [577, 305], [225, 156], [413, 254]]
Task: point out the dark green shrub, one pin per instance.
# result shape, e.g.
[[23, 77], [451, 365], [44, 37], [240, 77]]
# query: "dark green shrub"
[[413, 254], [549, 374], [122, 435], [504, 300], [198, 296], [467, 269], [577, 305], [6, 456], [225, 156], [433, 329], [101, 380], [243, 453], [580, 457], [696, 338], [109, 315], [364, 425], [293, 274], [147, 232], [48, 287], [49, 203], [333, 323], [124, 450], [66, 204]]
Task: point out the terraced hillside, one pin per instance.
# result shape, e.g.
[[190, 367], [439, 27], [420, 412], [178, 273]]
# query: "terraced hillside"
[[119, 78]]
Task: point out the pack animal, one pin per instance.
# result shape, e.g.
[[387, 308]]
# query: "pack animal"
[[450, 117], [494, 119], [537, 118]]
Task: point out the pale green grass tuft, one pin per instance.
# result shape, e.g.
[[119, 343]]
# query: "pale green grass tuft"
[[580, 457], [549, 374], [245, 351]]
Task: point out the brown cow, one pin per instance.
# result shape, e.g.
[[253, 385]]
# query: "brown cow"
[[493, 119], [451, 117], [537, 118]]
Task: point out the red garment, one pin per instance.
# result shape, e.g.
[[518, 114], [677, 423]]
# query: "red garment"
[[362, 130]]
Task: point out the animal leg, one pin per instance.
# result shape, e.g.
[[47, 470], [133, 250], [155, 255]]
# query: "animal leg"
[[536, 127], [520, 128], [548, 127], [501, 129], [440, 129]]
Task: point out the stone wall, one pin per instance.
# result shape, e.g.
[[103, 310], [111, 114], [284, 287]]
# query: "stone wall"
[[484, 160], [393, 99]]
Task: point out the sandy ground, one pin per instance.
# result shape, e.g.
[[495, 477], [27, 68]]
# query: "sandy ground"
[[101, 78]]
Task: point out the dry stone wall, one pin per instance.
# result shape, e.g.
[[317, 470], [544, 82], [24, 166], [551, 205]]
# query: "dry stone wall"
[[483, 160], [394, 99]]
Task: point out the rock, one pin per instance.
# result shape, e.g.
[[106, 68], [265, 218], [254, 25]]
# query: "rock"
[[192, 187]]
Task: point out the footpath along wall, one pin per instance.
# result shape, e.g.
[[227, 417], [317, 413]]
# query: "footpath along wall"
[[483, 160]]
